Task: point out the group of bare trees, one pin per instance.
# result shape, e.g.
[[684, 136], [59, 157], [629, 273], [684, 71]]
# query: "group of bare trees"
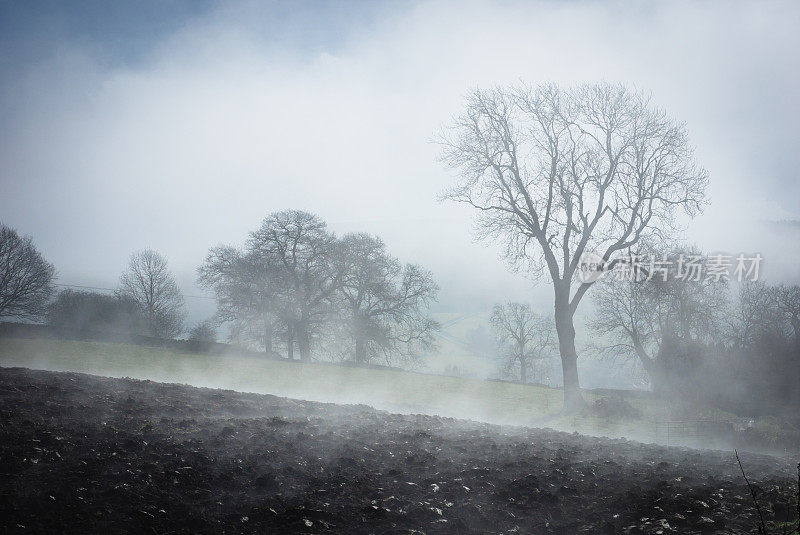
[[763, 311], [703, 338], [597, 171], [148, 300], [554, 173], [637, 312], [557, 173], [762, 345], [295, 285]]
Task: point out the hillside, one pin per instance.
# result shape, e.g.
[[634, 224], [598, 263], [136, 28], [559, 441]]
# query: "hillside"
[[89, 454]]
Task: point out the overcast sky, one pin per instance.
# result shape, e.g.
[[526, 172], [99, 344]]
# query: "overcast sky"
[[180, 125]]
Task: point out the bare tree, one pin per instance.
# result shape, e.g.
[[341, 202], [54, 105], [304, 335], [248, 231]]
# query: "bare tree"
[[763, 310], [524, 336], [557, 173], [764, 351], [246, 287], [300, 248], [26, 278], [635, 313], [149, 283], [787, 300], [628, 321], [384, 302], [747, 311]]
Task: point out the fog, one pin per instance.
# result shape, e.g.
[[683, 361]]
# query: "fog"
[[424, 266], [124, 128]]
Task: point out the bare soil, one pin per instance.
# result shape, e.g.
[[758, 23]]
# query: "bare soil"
[[81, 453]]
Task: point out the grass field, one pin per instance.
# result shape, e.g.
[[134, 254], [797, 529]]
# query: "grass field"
[[386, 389], [397, 391]]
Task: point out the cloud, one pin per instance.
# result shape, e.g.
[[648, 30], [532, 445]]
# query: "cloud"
[[219, 125]]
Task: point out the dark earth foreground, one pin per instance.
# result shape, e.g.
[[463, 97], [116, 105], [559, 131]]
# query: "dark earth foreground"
[[86, 454]]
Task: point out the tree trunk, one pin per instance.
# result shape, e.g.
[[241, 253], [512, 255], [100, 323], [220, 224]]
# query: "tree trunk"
[[290, 341], [304, 343], [267, 336], [361, 350], [523, 370], [565, 328], [648, 364]]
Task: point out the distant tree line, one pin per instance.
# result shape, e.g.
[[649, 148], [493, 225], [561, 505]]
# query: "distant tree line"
[[94, 311], [295, 288], [147, 302], [702, 340]]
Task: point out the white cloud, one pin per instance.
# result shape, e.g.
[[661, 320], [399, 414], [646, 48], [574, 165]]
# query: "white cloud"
[[221, 127]]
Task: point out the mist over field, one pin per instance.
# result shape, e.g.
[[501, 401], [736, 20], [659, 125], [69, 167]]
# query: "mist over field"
[[219, 114], [356, 266]]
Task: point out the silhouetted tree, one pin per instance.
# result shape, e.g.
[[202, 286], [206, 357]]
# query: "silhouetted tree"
[[753, 311], [383, 302], [151, 286], [299, 250], [523, 335], [246, 287], [557, 173], [26, 278]]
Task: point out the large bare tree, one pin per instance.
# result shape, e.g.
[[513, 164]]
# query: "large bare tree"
[[384, 302], [148, 282], [523, 335], [558, 173], [26, 278], [300, 251]]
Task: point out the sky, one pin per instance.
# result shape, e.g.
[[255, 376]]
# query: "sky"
[[181, 125]]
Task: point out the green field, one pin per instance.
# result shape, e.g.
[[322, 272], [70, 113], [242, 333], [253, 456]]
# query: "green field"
[[397, 391], [387, 389]]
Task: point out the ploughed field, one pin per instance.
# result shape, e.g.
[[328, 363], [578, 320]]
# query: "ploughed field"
[[81, 453]]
